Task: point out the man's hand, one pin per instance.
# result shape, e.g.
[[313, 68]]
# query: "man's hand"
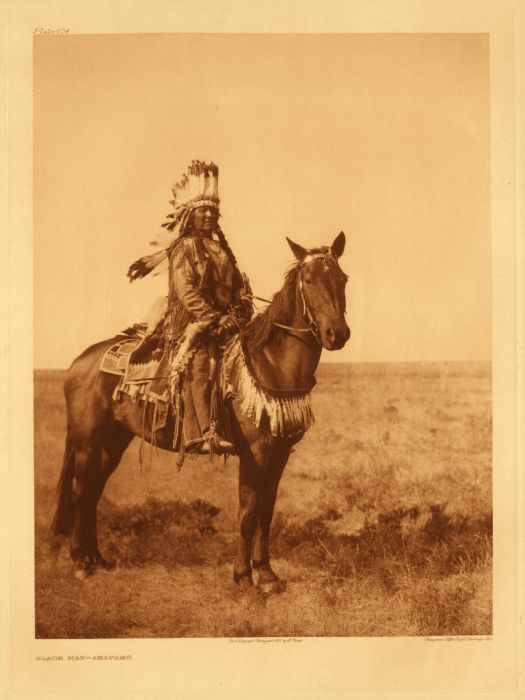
[[228, 323]]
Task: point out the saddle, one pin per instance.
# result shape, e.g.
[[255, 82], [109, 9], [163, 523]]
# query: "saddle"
[[146, 367]]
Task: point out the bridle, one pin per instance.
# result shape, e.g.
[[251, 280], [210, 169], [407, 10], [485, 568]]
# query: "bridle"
[[311, 324]]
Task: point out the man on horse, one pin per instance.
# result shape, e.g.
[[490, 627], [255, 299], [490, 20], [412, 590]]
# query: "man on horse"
[[208, 297]]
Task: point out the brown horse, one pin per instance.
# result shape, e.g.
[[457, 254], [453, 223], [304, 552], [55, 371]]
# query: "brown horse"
[[282, 346]]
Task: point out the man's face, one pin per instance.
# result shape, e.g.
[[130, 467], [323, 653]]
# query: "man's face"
[[205, 220]]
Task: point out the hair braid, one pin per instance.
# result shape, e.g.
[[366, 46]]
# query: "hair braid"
[[246, 298], [224, 243]]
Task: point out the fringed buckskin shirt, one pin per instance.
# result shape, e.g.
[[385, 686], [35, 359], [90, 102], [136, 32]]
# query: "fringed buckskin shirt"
[[193, 296]]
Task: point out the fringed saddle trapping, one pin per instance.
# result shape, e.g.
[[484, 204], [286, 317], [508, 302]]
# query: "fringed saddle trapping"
[[288, 416]]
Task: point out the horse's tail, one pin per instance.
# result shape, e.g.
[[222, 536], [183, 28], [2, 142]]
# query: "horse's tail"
[[63, 519]]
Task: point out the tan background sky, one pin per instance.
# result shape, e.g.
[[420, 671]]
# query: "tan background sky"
[[383, 136]]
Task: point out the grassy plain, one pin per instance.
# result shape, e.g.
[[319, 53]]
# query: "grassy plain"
[[383, 523]]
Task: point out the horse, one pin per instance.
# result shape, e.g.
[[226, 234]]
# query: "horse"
[[282, 346]]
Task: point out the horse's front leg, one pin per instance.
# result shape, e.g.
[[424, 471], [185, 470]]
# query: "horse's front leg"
[[268, 582], [250, 479]]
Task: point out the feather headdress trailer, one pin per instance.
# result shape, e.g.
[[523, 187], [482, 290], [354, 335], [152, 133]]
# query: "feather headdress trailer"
[[198, 187]]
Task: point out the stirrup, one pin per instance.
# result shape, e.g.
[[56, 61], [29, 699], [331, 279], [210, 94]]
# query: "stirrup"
[[214, 443], [211, 443]]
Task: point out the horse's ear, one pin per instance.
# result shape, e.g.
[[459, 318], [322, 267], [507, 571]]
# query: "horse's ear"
[[338, 245], [297, 249]]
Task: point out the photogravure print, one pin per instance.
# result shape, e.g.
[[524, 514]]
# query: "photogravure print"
[[383, 515]]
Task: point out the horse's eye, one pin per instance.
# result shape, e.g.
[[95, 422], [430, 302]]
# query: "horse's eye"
[[307, 277]]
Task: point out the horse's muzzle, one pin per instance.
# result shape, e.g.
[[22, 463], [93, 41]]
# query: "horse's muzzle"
[[335, 338]]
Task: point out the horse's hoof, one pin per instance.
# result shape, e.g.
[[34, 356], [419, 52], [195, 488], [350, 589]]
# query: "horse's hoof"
[[105, 564], [82, 573], [269, 588], [85, 566], [244, 582]]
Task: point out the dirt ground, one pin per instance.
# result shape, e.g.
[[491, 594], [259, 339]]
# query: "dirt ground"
[[383, 523]]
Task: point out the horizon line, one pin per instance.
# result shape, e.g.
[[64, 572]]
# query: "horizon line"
[[338, 362]]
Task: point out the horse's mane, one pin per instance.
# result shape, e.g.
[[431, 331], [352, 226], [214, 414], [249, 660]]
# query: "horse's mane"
[[280, 310]]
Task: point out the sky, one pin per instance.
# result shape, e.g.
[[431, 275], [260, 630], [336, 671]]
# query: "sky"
[[383, 136]]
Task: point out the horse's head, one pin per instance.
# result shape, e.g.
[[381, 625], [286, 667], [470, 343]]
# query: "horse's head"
[[322, 287]]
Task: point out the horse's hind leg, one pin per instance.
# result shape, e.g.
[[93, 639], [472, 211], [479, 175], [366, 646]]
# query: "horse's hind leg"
[[63, 519], [95, 460]]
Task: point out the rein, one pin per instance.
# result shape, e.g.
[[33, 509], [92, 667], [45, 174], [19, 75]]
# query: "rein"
[[293, 328]]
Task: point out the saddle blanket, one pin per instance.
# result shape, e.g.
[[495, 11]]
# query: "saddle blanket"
[[136, 378], [116, 359]]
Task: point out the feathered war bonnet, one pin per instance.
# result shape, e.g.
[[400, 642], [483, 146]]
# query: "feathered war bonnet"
[[198, 187]]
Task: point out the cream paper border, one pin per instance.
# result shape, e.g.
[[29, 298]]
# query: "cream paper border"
[[313, 668]]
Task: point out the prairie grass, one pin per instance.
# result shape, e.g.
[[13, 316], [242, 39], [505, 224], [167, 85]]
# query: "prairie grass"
[[383, 523]]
